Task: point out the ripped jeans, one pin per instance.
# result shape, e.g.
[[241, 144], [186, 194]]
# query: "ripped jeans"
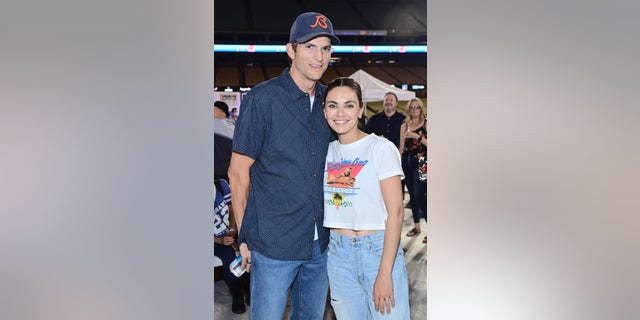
[[352, 266]]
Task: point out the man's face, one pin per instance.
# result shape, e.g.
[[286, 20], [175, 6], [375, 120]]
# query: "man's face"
[[310, 59], [390, 103]]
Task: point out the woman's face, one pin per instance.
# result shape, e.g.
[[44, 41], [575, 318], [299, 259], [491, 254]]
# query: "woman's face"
[[342, 110], [415, 110]]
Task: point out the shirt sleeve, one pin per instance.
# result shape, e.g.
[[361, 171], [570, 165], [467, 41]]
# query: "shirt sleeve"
[[251, 126], [226, 191], [388, 159], [367, 127]]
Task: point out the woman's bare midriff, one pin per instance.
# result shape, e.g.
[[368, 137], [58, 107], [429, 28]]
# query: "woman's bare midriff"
[[354, 233]]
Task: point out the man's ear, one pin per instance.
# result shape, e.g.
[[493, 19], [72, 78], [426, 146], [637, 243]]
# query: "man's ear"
[[290, 52]]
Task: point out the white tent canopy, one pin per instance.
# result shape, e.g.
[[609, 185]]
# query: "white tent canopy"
[[373, 89]]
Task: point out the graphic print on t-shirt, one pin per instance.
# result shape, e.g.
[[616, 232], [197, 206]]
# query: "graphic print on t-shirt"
[[341, 179]]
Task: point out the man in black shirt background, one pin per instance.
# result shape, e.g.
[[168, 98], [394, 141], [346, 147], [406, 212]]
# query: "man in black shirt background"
[[388, 122]]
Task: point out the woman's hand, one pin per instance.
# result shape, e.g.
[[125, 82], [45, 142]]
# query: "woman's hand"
[[383, 298], [412, 135]]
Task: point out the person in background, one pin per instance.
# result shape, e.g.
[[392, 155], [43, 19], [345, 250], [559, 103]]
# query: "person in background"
[[222, 139], [362, 122], [234, 115], [387, 123], [413, 144], [279, 149], [363, 209], [220, 110], [224, 245]]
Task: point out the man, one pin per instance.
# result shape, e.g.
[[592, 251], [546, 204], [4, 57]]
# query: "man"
[[388, 122], [220, 110], [234, 114], [276, 173], [223, 134]]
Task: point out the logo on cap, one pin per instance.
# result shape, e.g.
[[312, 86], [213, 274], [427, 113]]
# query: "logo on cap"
[[310, 25], [320, 21]]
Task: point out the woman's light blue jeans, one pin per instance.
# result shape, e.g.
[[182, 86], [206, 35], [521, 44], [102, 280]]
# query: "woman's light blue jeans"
[[352, 267]]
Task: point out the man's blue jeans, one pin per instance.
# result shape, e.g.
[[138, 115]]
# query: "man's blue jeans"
[[272, 279]]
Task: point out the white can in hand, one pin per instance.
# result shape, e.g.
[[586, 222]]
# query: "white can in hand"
[[236, 267]]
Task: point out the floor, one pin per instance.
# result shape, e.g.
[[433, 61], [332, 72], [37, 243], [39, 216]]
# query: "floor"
[[415, 258]]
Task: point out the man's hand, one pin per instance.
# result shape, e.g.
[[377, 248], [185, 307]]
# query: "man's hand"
[[246, 257]]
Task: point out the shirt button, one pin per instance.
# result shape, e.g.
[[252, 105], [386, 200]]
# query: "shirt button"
[[313, 153]]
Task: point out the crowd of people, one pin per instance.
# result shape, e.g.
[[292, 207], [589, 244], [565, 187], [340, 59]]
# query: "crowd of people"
[[317, 202]]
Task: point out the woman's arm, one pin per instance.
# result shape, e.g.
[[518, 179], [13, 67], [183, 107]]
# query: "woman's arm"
[[403, 134], [423, 140], [383, 295], [425, 133]]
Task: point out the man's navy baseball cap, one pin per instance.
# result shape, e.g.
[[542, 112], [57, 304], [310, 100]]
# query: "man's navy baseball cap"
[[310, 25]]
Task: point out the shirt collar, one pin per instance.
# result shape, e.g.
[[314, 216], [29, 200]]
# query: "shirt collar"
[[292, 87]]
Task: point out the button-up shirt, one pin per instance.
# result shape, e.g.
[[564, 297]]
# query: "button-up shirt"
[[388, 127], [288, 141]]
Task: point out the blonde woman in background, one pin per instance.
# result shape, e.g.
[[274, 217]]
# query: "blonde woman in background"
[[413, 144]]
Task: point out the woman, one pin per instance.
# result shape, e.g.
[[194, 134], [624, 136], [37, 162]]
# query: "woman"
[[363, 208], [413, 144]]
